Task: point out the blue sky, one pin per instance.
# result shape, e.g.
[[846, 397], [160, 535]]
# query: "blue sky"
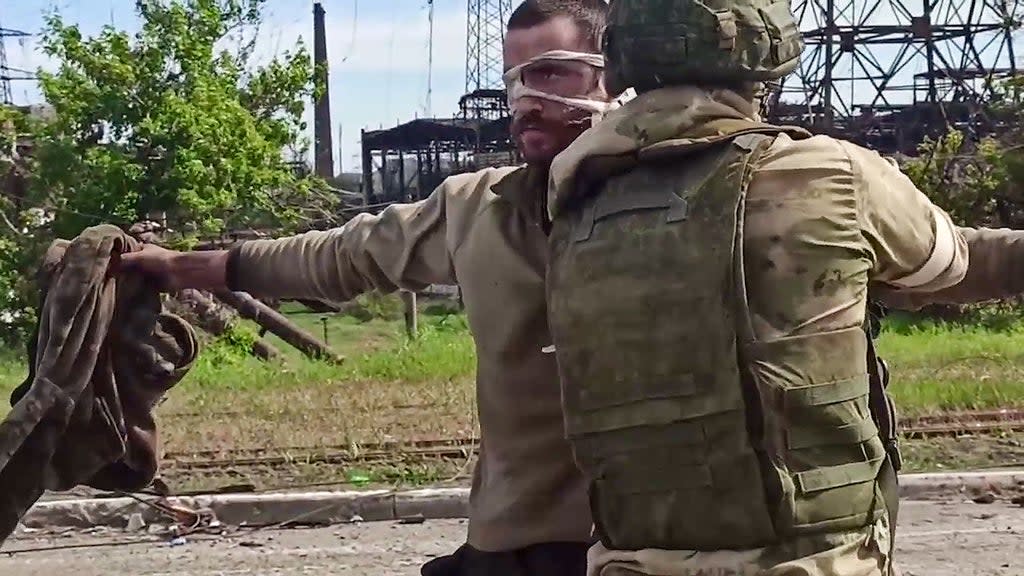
[[379, 60], [378, 76]]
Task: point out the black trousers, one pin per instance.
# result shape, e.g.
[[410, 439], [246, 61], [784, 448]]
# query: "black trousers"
[[548, 559]]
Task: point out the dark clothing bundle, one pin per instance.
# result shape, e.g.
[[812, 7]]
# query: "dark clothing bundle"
[[103, 356]]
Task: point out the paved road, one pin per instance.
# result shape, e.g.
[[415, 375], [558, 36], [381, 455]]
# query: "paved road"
[[936, 539]]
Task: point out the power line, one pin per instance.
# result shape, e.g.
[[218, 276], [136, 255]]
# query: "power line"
[[355, 32], [430, 58]]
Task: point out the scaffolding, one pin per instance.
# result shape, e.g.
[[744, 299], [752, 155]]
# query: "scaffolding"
[[485, 35], [406, 163], [886, 74]]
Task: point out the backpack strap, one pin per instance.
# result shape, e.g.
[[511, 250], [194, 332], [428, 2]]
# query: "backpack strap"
[[883, 412]]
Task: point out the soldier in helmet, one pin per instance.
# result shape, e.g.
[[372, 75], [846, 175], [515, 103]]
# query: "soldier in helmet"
[[708, 300]]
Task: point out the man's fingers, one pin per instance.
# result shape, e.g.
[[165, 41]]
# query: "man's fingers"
[[130, 262]]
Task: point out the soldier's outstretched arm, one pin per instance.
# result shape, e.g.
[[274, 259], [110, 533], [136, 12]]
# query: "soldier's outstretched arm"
[[921, 262], [995, 271], [918, 252], [917, 248]]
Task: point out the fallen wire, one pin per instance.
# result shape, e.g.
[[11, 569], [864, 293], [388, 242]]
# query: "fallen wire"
[[58, 547], [179, 514]]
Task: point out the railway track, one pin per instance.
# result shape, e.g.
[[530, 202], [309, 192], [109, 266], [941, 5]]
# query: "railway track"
[[454, 448], [961, 423], [948, 424]]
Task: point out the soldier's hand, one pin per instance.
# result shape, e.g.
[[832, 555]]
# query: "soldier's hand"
[[155, 263]]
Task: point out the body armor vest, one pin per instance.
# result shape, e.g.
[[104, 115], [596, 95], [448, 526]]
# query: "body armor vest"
[[695, 435]]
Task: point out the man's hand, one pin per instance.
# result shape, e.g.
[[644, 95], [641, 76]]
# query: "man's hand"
[[155, 263], [173, 271]]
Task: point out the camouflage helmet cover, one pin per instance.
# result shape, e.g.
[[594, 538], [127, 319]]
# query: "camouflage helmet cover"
[[652, 43]]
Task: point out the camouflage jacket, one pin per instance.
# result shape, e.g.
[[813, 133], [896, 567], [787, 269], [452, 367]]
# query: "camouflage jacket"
[[103, 355]]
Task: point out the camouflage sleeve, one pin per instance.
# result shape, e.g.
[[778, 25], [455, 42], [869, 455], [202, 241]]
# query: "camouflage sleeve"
[[405, 246], [916, 246]]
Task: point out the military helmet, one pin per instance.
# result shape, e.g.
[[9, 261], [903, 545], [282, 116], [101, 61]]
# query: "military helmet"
[[652, 43]]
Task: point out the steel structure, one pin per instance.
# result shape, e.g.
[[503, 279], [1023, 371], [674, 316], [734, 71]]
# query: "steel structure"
[[887, 73], [485, 33], [7, 73]]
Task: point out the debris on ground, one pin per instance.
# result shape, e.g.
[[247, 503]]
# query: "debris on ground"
[[986, 498], [414, 519], [135, 523]]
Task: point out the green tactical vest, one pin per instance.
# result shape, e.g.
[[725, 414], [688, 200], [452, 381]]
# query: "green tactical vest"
[[693, 435]]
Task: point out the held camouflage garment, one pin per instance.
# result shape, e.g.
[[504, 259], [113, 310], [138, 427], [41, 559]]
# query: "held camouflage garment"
[[103, 355], [674, 410]]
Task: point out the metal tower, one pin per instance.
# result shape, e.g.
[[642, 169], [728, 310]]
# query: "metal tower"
[[885, 73], [6, 72], [485, 33]]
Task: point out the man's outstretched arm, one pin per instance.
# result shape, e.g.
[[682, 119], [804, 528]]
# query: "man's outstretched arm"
[[206, 270], [405, 246]]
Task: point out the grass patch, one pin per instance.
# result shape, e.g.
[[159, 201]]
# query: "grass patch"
[[389, 387], [942, 366]]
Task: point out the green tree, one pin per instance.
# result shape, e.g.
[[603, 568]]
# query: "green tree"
[[958, 175], [979, 182], [172, 120], [178, 118], [21, 232]]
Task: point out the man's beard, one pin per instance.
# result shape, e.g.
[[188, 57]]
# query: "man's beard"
[[570, 124]]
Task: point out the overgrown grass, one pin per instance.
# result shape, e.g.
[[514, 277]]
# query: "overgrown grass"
[[939, 366], [394, 388], [374, 351], [389, 387]]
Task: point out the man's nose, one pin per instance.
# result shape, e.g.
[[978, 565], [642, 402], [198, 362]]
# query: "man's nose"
[[527, 104]]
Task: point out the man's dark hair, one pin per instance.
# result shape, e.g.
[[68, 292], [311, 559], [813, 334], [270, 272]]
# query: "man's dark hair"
[[589, 15]]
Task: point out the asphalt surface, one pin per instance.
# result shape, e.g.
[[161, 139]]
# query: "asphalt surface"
[[935, 539]]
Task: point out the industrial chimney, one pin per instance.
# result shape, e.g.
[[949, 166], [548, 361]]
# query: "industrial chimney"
[[322, 145]]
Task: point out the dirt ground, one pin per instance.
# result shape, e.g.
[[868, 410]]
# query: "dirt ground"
[[935, 539]]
